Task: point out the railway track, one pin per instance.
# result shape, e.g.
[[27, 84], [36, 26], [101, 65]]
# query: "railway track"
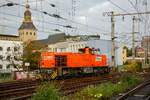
[[69, 88], [14, 89], [140, 92], [22, 90]]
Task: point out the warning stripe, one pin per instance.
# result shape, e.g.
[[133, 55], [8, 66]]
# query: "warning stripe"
[[54, 74]]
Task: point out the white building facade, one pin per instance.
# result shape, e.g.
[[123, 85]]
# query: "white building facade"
[[68, 46], [10, 55]]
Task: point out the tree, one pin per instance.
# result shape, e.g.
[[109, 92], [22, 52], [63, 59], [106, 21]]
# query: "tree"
[[129, 51], [31, 54]]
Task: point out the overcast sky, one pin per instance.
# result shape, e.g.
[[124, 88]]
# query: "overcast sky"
[[85, 16]]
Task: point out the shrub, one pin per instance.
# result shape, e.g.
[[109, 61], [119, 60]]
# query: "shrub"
[[133, 66], [131, 80], [46, 91]]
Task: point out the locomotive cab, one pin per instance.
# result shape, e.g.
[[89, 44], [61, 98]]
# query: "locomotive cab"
[[88, 50]]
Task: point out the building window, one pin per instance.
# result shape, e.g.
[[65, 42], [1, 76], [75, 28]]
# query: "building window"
[[1, 57], [34, 33], [16, 58], [15, 48], [26, 33], [1, 67], [30, 33], [8, 58], [8, 49], [1, 48], [8, 66]]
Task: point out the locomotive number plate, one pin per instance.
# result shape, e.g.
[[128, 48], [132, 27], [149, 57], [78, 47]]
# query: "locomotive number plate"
[[98, 58]]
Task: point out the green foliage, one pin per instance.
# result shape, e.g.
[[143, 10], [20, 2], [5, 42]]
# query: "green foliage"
[[131, 80], [47, 91], [5, 77], [129, 51], [105, 91], [33, 59], [30, 56], [133, 66]]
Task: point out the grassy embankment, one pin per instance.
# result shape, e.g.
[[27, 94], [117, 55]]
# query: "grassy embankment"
[[106, 91]]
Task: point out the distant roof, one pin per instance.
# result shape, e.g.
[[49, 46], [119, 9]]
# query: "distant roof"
[[27, 25], [52, 39], [62, 37], [8, 35], [82, 36]]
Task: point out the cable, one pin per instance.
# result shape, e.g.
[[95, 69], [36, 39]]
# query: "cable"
[[18, 22], [35, 20], [66, 26], [135, 8], [57, 16], [117, 6], [54, 24], [12, 27]]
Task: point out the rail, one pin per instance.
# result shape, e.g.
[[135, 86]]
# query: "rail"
[[131, 92]]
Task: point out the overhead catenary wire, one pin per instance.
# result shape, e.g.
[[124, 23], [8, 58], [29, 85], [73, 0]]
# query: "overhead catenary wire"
[[103, 33], [135, 8], [141, 17], [92, 27], [57, 16], [50, 23], [117, 6]]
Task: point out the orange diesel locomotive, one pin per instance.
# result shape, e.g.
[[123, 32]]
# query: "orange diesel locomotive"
[[66, 63]]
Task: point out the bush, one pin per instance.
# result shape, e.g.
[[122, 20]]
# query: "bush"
[[46, 91], [133, 66], [131, 80]]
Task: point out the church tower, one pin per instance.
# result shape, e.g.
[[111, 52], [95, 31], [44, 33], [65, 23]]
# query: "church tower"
[[27, 31]]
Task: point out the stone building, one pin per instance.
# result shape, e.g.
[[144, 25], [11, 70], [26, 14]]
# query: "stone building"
[[27, 31], [9, 37]]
